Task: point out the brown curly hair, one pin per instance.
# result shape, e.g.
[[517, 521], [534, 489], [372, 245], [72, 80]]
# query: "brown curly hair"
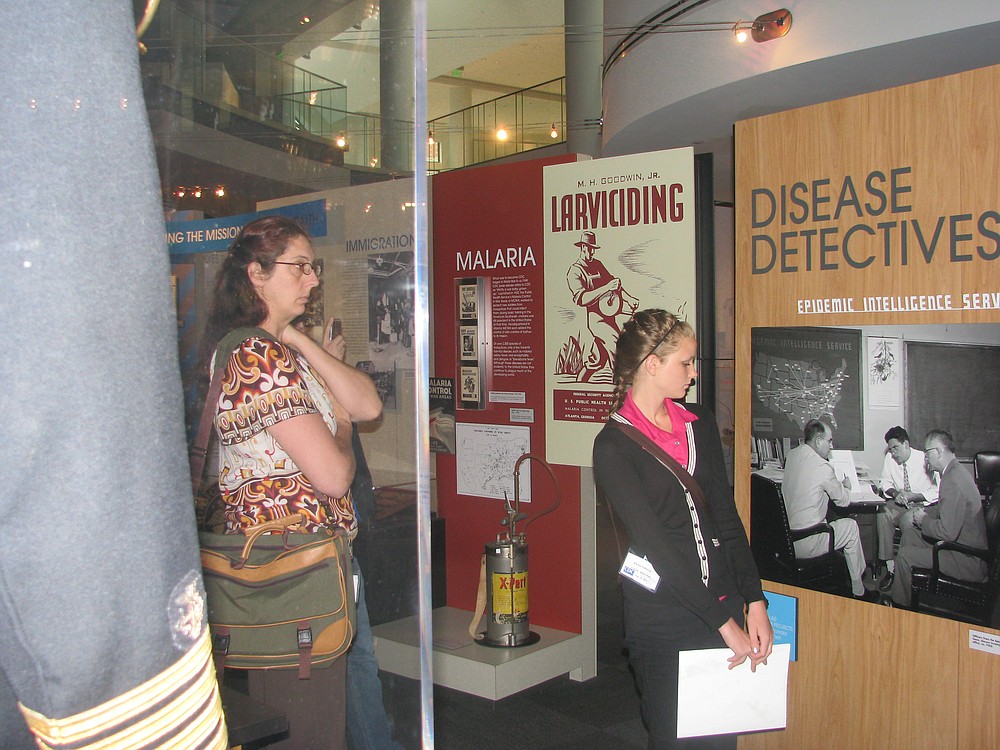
[[236, 302], [646, 332]]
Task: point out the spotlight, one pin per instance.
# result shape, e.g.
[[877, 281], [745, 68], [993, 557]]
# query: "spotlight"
[[740, 33], [501, 133], [770, 26], [341, 141], [220, 192]]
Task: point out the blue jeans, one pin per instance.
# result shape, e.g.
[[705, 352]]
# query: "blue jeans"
[[367, 722]]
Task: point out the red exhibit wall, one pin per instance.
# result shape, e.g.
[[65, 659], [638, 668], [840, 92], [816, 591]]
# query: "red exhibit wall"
[[477, 212]]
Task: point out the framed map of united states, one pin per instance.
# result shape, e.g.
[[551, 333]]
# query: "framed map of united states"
[[798, 374]]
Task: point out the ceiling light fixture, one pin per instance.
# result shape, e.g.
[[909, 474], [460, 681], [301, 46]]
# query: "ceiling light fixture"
[[764, 28], [553, 134], [501, 133], [341, 141], [773, 25]]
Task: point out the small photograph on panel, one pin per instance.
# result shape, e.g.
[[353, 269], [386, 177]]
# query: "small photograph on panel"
[[470, 384], [390, 310], [469, 342], [875, 464], [468, 301]]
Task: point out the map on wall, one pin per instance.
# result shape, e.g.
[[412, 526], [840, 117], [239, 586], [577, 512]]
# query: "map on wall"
[[798, 374], [486, 457]]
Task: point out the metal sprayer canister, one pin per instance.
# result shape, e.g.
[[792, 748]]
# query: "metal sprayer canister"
[[507, 593]]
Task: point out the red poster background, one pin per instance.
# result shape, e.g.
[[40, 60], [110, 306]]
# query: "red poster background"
[[484, 209]]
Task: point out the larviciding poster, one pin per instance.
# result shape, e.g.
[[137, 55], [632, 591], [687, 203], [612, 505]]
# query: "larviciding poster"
[[619, 237]]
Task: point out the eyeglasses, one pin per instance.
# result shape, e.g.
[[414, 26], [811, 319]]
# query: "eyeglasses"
[[935, 448], [304, 266]]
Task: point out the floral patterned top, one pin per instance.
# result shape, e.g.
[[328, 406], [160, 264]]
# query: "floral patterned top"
[[264, 383]]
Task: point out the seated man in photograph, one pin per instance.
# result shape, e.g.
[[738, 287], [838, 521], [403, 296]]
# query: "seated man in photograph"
[[957, 517], [906, 481], [808, 486]]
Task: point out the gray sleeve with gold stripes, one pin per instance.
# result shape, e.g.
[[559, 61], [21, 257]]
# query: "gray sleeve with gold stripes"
[[102, 618]]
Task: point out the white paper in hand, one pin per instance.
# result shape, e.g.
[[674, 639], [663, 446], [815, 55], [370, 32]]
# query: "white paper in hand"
[[712, 699]]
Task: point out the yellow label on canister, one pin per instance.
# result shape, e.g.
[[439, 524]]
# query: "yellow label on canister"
[[510, 593]]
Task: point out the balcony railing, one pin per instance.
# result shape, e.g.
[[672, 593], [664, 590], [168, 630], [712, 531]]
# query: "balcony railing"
[[529, 118], [213, 79]]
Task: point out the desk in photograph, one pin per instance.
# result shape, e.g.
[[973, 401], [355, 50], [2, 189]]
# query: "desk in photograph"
[[863, 512]]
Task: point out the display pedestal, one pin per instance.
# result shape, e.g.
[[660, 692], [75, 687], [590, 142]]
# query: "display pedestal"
[[495, 673], [492, 673]]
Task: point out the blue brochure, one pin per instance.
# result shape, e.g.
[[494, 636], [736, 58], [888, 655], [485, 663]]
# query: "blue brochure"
[[783, 612]]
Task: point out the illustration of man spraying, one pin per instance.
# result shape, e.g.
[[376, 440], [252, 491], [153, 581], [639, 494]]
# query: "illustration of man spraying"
[[608, 305]]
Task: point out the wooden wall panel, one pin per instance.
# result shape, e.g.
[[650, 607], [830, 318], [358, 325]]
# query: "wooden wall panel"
[[867, 675], [864, 679]]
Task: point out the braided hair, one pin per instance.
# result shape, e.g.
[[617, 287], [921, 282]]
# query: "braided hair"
[[646, 332]]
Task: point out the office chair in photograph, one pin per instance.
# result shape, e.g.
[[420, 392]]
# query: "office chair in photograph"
[[771, 541], [986, 470], [935, 592]]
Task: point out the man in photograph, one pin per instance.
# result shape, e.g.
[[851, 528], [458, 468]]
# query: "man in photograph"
[[808, 486], [908, 483], [957, 517]]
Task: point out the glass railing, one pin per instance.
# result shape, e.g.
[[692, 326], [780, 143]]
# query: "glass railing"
[[510, 124], [238, 88], [208, 77], [360, 133]]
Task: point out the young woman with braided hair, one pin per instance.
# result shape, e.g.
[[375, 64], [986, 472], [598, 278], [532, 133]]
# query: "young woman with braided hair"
[[661, 466]]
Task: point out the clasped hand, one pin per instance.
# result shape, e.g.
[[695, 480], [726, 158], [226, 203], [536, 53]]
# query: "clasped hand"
[[754, 643]]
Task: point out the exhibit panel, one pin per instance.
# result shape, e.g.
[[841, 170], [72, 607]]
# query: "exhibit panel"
[[870, 216]]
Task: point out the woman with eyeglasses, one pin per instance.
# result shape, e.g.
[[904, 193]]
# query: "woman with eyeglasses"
[[284, 429], [690, 581]]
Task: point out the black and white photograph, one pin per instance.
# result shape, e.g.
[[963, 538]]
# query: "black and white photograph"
[[470, 390], [468, 301], [469, 340], [895, 450]]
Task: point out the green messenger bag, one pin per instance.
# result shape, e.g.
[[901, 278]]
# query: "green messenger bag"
[[279, 600]]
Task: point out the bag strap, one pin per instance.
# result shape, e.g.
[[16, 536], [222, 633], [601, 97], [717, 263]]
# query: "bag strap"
[[199, 450], [647, 443], [480, 601]]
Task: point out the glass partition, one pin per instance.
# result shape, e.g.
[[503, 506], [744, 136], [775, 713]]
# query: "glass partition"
[[306, 110]]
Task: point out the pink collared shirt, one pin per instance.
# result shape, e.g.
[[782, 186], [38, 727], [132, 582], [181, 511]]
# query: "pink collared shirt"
[[674, 442]]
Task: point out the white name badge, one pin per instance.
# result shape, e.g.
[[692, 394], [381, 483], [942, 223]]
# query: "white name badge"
[[640, 570]]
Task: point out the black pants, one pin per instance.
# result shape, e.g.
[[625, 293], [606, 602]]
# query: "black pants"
[[654, 634]]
